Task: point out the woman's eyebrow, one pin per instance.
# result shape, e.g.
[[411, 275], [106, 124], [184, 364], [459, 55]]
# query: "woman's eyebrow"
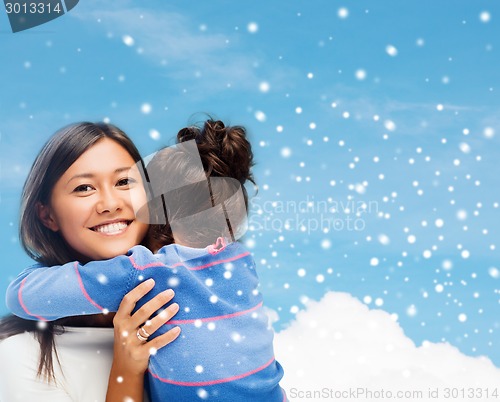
[[92, 175]]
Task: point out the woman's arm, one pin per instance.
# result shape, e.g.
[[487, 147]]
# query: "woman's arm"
[[49, 293], [131, 355]]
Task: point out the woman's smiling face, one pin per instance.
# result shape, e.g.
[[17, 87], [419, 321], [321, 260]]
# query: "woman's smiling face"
[[92, 203]]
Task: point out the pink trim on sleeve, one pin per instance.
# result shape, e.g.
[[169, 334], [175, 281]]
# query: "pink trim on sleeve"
[[180, 264], [143, 267], [213, 382], [210, 264], [20, 299], [215, 318], [82, 288]]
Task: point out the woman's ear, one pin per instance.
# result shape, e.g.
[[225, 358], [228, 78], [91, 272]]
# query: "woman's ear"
[[45, 215]]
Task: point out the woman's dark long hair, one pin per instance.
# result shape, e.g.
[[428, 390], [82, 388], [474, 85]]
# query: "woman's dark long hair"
[[39, 242]]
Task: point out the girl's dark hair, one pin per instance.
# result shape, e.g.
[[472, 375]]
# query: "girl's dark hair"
[[42, 244], [225, 152]]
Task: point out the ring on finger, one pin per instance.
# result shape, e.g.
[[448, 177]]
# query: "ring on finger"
[[144, 333], [140, 337]]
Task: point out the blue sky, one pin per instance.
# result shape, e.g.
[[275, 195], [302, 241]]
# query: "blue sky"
[[393, 105]]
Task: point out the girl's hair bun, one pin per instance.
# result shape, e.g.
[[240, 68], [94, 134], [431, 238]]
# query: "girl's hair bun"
[[188, 133], [224, 151]]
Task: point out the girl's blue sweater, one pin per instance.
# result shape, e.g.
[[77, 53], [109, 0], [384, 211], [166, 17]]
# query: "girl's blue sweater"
[[225, 350]]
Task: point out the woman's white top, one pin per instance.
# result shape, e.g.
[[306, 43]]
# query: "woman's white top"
[[85, 354]]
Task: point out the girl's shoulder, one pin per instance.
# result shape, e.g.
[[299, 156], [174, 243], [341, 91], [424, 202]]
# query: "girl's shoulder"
[[222, 247]]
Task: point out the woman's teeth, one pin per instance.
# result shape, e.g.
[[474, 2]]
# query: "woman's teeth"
[[111, 228]]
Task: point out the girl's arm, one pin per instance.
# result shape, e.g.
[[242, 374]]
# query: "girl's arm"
[[49, 293]]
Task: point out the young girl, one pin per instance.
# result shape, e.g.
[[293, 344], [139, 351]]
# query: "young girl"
[[225, 352], [66, 196]]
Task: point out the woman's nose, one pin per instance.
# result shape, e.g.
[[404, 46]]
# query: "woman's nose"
[[109, 201]]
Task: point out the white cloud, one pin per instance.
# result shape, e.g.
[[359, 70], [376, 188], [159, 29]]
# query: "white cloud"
[[163, 34], [174, 40], [338, 343]]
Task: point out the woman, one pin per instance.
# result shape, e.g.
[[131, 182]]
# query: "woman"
[[226, 351], [74, 209]]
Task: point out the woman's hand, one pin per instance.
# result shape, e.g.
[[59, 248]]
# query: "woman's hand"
[[131, 354]]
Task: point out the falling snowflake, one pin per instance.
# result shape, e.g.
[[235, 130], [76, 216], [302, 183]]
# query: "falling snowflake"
[[128, 40], [485, 16], [260, 116], [343, 13], [264, 87], [154, 134], [360, 74], [146, 108], [252, 27], [391, 50]]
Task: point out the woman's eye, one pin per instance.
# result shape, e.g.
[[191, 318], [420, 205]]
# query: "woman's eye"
[[127, 181], [83, 188]]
